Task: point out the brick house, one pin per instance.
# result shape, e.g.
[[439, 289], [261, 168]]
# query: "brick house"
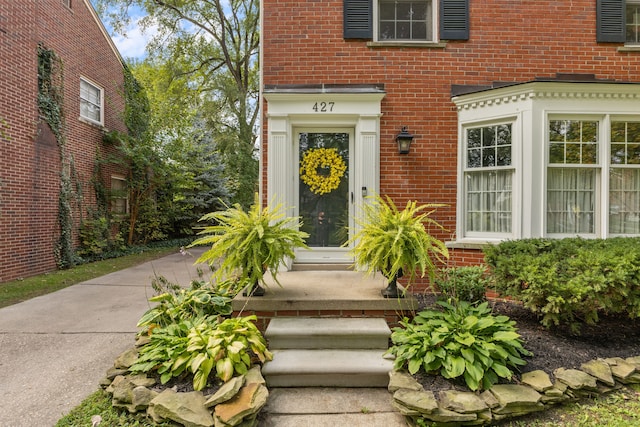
[[30, 155], [525, 116]]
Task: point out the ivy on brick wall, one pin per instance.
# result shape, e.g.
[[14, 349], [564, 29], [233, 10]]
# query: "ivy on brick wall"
[[51, 110]]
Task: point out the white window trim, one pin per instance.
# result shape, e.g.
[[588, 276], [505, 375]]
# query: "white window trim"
[[599, 167], [101, 90], [480, 237], [435, 6]]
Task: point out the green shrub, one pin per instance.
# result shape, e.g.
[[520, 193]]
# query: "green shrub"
[[569, 281], [462, 341], [463, 283], [201, 346]]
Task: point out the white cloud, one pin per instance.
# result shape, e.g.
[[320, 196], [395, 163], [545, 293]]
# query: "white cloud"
[[133, 45]]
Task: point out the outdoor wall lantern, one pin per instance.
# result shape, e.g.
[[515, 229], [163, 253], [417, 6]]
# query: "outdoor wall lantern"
[[404, 140]]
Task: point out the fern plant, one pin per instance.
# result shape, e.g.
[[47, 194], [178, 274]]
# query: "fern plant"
[[250, 242], [463, 340], [396, 242]]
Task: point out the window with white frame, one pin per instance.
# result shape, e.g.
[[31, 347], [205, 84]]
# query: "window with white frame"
[[119, 196], [571, 176], [488, 180], [632, 24], [624, 178], [406, 20], [91, 101]]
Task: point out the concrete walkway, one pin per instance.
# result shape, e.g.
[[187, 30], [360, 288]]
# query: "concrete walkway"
[[54, 350]]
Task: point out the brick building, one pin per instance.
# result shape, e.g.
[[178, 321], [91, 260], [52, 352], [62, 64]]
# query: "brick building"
[[90, 74], [525, 116]]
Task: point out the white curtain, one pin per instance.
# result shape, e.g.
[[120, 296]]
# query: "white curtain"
[[488, 204], [624, 201], [571, 197]]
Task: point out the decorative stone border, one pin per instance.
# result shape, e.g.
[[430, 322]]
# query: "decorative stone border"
[[535, 393], [237, 403]]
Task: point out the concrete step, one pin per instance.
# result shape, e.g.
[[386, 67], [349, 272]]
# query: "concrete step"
[[327, 368], [321, 333], [322, 267]]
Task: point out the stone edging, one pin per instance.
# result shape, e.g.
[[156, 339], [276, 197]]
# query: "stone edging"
[[237, 403], [535, 393]]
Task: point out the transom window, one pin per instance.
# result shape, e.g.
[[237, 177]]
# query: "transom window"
[[488, 180], [91, 97], [633, 22], [405, 20]]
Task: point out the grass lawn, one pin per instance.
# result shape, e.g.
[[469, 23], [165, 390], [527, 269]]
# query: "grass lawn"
[[23, 289]]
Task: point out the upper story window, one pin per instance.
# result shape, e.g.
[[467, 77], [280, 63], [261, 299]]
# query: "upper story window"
[[633, 22], [405, 20], [91, 102]]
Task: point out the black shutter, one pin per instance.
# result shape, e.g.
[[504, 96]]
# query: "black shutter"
[[358, 21], [610, 21], [454, 19]]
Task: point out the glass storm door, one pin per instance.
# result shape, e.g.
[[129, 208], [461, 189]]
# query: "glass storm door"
[[324, 193]]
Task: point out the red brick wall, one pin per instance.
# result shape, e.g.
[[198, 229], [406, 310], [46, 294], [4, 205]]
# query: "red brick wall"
[[30, 156], [509, 41]]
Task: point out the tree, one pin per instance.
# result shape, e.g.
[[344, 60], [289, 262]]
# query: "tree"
[[213, 46]]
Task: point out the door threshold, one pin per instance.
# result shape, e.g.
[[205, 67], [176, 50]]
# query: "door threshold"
[[322, 267]]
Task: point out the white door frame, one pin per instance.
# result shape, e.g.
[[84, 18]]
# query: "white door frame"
[[288, 111]]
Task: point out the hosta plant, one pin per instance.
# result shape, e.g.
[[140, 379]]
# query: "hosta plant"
[[250, 242], [462, 340], [203, 346], [175, 304], [396, 242]]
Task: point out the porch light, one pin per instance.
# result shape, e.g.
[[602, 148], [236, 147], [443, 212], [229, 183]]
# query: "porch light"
[[404, 140]]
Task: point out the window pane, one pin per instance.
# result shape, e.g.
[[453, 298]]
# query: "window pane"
[[474, 159], [573, 142], [627, 147], [488, 202], [403, 30], [571, 201], [387, 31], [404, 20], [488, 157], [387, 11], [474, 138], [90, 102], [556, 153], [633, 22], [633, 154], [496, 146], [624, 201]]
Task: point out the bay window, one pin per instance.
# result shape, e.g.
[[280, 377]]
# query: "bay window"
[[548, 159]]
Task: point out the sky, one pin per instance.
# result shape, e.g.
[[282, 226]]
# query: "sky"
[[135, 42]]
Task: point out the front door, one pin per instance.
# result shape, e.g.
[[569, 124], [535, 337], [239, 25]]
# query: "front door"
[[324, 188]]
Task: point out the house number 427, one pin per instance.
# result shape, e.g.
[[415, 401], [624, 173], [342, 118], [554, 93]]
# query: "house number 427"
[[323, 107]]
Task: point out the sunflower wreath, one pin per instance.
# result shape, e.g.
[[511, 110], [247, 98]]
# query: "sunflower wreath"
[[322, 158]]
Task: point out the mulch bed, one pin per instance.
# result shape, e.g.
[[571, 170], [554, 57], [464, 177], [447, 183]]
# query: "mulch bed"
[[557, 347]]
